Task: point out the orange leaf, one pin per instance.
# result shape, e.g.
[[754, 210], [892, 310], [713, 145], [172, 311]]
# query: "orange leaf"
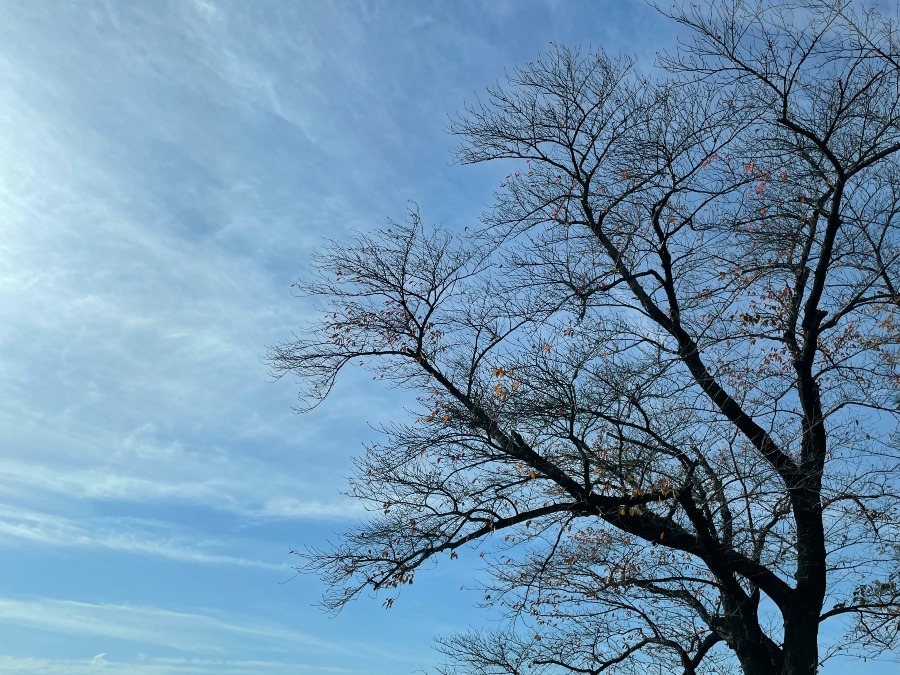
[[547, 348]]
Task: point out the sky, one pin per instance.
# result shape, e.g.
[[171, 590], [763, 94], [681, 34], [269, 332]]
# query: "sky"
[[166, 169]]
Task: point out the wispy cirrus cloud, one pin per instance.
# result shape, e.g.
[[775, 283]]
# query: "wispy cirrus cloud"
[[199, 640], [251, 496], [21, 526], [166, 170], [198, 632], [160, 666]]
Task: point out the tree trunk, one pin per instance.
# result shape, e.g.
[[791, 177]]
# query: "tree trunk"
[[755, 659], [801, 643]]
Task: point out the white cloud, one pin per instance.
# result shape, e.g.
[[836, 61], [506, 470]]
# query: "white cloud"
[[150, 639], [197, 632], [257, 494], [160, 666], [83, 461], [18, 525], [289, 507]]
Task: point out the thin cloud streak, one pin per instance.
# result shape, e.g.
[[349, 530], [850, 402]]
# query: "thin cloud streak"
[[18, 526], [202, 633], [159, 666], [249, 498]]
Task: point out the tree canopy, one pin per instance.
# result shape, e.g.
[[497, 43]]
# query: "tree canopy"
[[661, 376]]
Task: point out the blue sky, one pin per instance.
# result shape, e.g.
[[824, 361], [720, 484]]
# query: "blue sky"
[[167, 168]]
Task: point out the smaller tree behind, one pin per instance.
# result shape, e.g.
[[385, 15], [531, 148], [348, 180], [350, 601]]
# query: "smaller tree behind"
[[662, 378]]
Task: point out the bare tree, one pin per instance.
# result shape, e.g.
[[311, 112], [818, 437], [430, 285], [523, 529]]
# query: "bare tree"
[[662, 379]]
